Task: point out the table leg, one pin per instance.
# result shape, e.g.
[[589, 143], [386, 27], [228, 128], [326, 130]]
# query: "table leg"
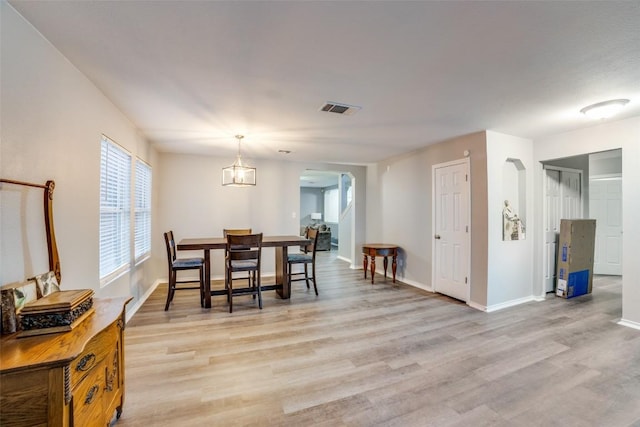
[[393, 267], [373, 268], [207, 279], [365, 264], [386, 263], [283, 289]]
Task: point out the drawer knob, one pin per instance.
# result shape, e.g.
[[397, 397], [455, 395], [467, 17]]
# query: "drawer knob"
[[86, 362], [91, 394]]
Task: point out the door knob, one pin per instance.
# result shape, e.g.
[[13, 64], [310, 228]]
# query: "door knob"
[[437, 236]]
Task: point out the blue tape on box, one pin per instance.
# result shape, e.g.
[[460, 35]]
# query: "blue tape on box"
[[562, 273], [578, 283], [565, 251]]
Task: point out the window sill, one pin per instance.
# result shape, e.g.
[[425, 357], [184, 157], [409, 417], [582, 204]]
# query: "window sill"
[[108, 279]]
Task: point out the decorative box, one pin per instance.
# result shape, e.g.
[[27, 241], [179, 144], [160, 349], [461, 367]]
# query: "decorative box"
[[57, 312]]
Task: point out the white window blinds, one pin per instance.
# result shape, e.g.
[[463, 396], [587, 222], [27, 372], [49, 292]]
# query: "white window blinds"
[[115, 210], [142, 209]]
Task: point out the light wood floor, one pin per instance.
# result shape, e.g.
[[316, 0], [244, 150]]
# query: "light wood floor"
[[387, 355]]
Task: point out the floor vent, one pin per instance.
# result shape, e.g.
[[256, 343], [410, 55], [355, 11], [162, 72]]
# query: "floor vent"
[[333, 107]]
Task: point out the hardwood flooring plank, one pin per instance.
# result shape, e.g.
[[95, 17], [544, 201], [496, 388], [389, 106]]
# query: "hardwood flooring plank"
[[380, 355]]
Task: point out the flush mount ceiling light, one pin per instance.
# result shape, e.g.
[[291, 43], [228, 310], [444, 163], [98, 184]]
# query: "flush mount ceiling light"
[[605, 109], [239, 175]]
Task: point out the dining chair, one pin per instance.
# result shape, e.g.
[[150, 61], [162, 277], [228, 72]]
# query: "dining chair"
[[243, 253], [237, 231], [306, 257], [181, 264]]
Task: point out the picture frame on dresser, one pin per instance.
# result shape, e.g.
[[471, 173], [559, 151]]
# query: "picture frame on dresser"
[[13, 298]]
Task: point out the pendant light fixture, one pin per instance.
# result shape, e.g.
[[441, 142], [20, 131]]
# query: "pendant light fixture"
[[239, 175]]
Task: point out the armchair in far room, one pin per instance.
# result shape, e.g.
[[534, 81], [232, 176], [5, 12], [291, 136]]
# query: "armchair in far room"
[[324, 236]]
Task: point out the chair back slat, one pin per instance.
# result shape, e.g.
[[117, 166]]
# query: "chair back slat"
[[243, 254], [244, 246], [236, 231], [312, 234], [171, 246]]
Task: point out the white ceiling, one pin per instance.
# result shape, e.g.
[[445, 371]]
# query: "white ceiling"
[[319, 179], [192, 74]]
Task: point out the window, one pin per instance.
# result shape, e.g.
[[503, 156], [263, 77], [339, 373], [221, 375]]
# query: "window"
[[142, 210], [331, 205], [115, 210]]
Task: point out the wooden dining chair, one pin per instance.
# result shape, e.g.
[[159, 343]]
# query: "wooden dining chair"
[[306, 257], [238, 231], [243, 253], [181, 264]]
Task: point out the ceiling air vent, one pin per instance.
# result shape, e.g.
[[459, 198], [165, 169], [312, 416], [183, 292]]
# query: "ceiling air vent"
[[334, 107]]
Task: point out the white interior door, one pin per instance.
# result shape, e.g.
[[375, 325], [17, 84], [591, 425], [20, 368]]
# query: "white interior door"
[[571, 189], [551, 227], [605, 206], [563, 199], [451, 230]]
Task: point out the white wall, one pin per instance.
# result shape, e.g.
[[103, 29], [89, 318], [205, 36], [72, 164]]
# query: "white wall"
[[374, 215], [510, 263], [400, 199], [605, 163], [52, 120], [345, 234], [623, 134], [311, 200], [193, 203]]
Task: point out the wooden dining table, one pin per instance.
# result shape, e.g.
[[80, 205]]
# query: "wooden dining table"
[[280, 243]]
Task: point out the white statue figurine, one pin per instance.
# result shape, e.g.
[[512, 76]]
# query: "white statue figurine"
[[512, 227]]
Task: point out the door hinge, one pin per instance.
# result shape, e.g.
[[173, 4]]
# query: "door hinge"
[[466, 177], [465, 281], [467, 227]]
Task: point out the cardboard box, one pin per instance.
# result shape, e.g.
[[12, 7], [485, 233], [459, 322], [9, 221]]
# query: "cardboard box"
[[575, 257]]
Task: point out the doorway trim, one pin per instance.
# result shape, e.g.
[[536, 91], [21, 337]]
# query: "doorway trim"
[[545, 215], [346, 248]]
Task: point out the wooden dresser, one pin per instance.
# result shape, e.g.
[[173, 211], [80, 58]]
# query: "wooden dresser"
[[74, 378]]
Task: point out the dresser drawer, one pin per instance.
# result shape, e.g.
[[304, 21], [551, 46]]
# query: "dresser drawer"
[[70, 379], [88, 398], [96, 350]]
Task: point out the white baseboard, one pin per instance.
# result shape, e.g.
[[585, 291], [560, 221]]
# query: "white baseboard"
[[511, 303], [502, 305], [347, 260], [629, 324], [417, 285], [132, 309], [477, 306]]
